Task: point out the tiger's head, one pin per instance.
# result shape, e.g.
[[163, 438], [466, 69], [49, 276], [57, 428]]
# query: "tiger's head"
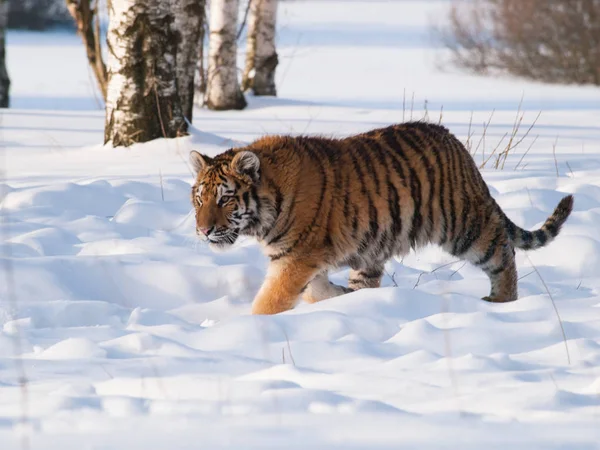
[[225, 196]]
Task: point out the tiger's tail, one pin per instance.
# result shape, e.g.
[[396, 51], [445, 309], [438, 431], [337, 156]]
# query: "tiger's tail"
[[531, 240]]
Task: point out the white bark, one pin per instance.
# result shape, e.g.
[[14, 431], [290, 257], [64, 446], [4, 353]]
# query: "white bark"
[[142, 101], [4, 80], [261, 55], [189, 20], [223, 90]]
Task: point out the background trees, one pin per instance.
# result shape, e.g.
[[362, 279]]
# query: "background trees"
[[146, 71], [261, 55], [85, 14], [551, 41], [142, 101], [4, 80], [223, 89]]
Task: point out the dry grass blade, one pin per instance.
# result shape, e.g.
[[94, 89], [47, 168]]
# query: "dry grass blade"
[[468, 143], [482, 166], [562, 329], [571, 170], [404, 105], [504, 155], [554, 155], [485, 127], [287, 340], [162, 190], [527, 151], [11, 296], [433, 271]]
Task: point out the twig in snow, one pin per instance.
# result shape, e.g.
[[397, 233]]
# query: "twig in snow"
[[403, 104], [529, 195], [287, 340], [554, 155], [468, 143], [392, 277], [527, 151], [562, 329], [571, 170], [162, 191], [448, 353], [457, 270], [433, 271], [512, 146], [485, 127], [525, 276], [17, 347]]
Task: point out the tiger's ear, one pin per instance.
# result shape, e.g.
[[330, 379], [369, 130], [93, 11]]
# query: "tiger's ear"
[[199, 162], [246, 163]]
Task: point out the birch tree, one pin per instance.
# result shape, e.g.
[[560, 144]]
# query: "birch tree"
[[223, 89], [152, 52], [4, 80], [261, 55], [189, 22]]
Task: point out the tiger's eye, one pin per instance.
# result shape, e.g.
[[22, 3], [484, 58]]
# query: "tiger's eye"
[[225, 199]]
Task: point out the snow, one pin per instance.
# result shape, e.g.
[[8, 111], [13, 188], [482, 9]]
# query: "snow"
[[134, 334]]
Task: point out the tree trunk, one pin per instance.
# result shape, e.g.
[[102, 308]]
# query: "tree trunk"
[[223, 90], [261, 57], [142, 102], [200, 82], [4, 80], [189, 21], [88, 26]]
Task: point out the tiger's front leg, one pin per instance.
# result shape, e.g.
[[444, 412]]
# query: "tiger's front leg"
[[285, 280]]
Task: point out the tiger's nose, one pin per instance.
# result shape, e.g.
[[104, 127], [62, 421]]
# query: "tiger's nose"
[[205, 231]]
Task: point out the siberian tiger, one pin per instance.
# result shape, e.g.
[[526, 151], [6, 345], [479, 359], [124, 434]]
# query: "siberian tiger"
[[317, 203]]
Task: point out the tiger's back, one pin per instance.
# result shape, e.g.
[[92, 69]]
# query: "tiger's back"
[[359, 201]]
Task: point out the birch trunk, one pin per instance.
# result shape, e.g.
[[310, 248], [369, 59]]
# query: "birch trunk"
[[142, 102], [189, 22], [85, 14], [4, 80], [223, 90], [261, 55]]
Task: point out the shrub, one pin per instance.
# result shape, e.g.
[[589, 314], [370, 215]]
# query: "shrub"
[[550, 41]]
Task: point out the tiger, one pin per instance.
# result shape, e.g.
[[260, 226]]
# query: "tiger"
[[318, 203]]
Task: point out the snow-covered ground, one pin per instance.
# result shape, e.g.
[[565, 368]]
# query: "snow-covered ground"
[[131, 334]]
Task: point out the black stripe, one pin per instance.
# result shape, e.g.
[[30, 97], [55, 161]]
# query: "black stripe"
[[496, 271], [541, 238], [337, 182], [452, 185], [553, 228], [418, 143], [394, 205], [526, 240], [308, 229], [441, 199], [492, 247], [366, 157], [415, 190]]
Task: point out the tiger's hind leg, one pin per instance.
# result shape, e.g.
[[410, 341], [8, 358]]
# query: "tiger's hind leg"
[[502, 272], [366, 278], [496, 257], [320, 288]]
